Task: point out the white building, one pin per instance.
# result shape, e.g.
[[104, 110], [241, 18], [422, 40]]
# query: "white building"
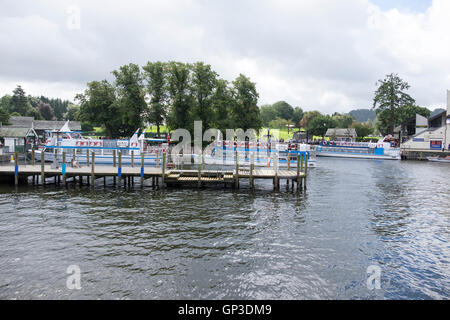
[[435, 138]]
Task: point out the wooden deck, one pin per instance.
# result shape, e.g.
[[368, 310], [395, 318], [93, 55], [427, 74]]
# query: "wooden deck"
[[158, 175]]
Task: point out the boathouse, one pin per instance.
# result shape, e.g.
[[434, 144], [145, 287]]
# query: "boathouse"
[[17, 139], [342, 134], [433, 140], [40, 126]]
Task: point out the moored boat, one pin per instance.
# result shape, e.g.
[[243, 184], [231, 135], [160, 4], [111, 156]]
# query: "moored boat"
[[438, 159]]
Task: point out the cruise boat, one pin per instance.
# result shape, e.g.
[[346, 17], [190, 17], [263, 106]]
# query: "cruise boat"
[[65, 140], [265, 154], [361, 150]]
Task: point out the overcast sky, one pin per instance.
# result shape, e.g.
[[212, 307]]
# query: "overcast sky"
[[317, 54]]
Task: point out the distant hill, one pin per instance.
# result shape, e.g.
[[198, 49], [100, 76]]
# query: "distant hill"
[[362, 115], [436, 111]]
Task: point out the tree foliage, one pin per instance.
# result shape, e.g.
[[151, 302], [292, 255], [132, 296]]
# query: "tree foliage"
[[390, 96], [245, 111]]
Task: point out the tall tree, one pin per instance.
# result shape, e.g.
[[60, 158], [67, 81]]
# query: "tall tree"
[[98, 106], [179, 94], [19, 101], [45, 110], [284, 110], [245, 111], [155, 74], [297, 116], [268, 113], [319, 125], [4, 116], [72, 113], [222, 103], [204, 81], [130, 97], [389, 97]]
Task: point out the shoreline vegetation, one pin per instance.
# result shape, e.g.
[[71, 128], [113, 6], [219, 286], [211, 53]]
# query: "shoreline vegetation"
[[163, 96]]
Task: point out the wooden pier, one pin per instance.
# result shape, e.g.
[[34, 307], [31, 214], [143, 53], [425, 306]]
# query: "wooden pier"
[[65, 174]]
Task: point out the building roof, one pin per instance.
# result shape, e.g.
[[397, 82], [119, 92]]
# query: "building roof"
[[9, 132], [29, 122], [55, 125], [21, 122], [341, 132]]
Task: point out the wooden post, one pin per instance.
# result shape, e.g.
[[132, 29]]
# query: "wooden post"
[[298, 168], [87, 158], [252, 165], [306, 170], [74, 158], [142, 170], [16, 168], [42, 168], [236, 160], [275, 167], [132, 158], [93, 169], [64, 167], [119, 173], [163, 167], [199, 173], [114, 165], [33, 157]]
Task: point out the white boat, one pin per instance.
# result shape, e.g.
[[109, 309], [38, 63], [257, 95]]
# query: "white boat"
[[437, 159], [360, 150], [264, 154], [65, 140]]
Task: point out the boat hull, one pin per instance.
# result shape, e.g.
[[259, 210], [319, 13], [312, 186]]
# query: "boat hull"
[[357, 156]]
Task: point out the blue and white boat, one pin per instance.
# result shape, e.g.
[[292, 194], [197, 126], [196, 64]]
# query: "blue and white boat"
[[264, 154], [360, 150], [65, 140]]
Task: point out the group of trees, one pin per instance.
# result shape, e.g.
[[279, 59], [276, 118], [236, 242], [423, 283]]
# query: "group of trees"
[[393, 105], [41, 108], [281, 114], [176, 94], [171, 93]]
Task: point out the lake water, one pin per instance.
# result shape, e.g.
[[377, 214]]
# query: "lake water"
[[235, 244]]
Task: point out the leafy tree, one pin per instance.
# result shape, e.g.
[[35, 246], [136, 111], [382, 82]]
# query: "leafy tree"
[[19, 102], [72, 113], [297, 116], [268, 113], [4, 116], [5, 103], [179, 94], [319, 125], [35, 113], [284, 110], [222, 102], [343, 120], [308, 116], [98, 106], [45, 110], [155, 74], [389, 97], [278, 123], [409, 111], [130, 101], [363, 129], [203, 83], [245, 111]]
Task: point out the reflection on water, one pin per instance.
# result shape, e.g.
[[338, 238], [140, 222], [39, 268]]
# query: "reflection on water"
[[219, 244]]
